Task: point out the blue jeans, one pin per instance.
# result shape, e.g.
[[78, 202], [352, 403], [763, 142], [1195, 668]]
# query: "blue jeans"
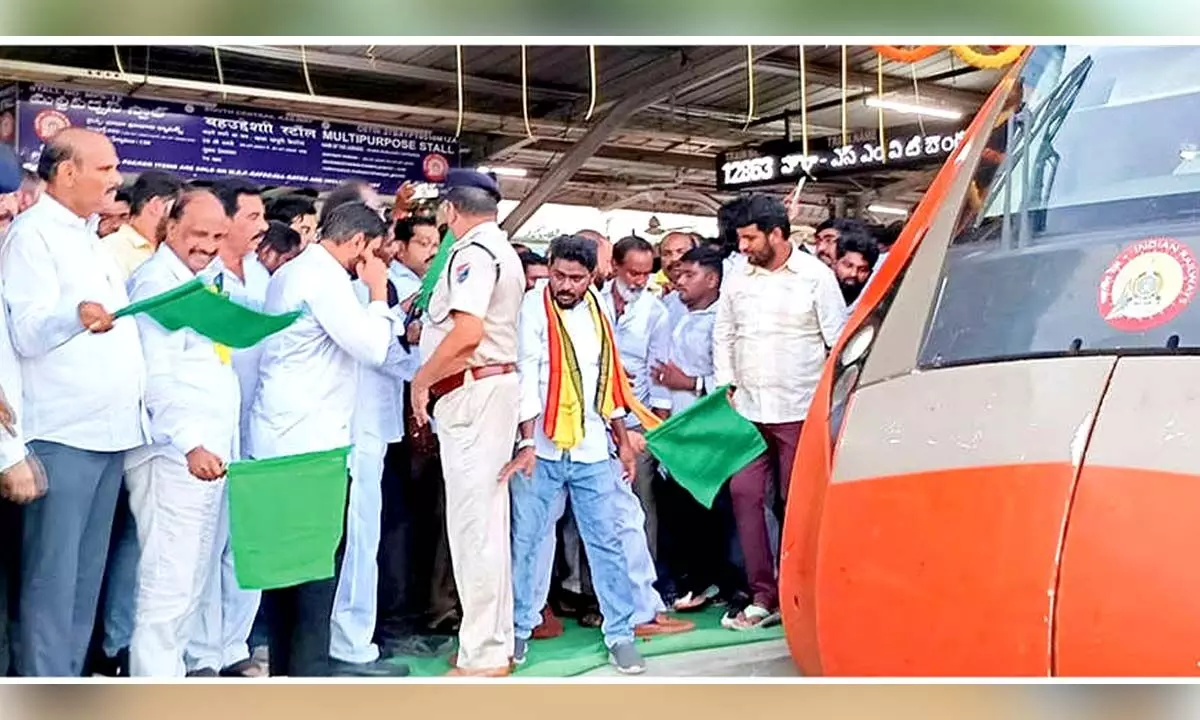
[[635, 546], [536, 502]]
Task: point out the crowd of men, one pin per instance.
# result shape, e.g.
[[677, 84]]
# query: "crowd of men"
[[499, 479]]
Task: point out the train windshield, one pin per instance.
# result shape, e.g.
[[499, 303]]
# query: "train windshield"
[[1081, 228]]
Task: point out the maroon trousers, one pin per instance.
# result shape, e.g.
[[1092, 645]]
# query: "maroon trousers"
[[749, 488]]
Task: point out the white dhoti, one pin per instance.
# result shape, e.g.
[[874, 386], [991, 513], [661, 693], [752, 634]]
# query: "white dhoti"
[[177, 517], [355, 605], [476, 427]]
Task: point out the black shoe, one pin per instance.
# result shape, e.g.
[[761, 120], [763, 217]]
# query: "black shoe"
[[204, 673], [379, 668], [422, 646], [114, 666]]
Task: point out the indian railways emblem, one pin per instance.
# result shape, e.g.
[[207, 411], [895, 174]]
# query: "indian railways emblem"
[[1148, 284], [436, 167], [48, 123]]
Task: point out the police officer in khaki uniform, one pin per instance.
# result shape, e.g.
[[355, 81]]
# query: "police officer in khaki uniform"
[[469, 355]]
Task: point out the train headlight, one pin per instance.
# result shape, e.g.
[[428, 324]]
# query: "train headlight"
[[857, 346]]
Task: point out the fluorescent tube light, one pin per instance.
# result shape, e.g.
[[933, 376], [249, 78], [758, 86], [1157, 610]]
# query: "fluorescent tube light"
[[912, 108]]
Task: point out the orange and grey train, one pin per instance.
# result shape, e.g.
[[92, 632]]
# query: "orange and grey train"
[[1000, 474]]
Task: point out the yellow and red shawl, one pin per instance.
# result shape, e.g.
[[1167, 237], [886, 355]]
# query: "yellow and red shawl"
[[563, 416]]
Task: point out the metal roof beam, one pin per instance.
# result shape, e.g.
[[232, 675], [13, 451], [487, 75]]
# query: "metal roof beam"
[[674, 80]]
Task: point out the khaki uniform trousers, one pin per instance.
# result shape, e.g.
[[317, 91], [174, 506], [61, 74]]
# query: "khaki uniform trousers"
[[477, 428]]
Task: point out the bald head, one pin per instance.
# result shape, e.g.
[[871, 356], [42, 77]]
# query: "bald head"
[[80, 170], [196, 228], [604, 255]]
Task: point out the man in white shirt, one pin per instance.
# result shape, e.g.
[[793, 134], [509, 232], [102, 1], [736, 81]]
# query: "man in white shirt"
[[59, 283], [220, 645], [568, 313], [305, 403], [695, 539], [775, 321], [150, 199], [176, 484], [378, 422]]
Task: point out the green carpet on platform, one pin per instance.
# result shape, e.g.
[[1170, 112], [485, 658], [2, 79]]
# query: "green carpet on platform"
[[579, 650]]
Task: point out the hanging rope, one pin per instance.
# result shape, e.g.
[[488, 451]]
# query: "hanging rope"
[[525, 90], [917, 98], [749, 87], [458, 52], [882, 133], [845, 92], [304, 64], [220, 72], [595, 82], [803, 105]]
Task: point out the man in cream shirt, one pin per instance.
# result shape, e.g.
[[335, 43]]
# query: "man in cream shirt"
[[61, 288], [176, 485], [150, 199]]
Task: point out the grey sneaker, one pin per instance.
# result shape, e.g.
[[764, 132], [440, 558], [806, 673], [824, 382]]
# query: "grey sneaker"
[[626, 659], [520, 647]]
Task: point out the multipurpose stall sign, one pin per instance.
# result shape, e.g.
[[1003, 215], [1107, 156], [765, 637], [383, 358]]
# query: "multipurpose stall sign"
[[781, 161], [211, 141]]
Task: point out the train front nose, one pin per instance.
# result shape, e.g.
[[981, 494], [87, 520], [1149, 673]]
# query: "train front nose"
[[947, 565]]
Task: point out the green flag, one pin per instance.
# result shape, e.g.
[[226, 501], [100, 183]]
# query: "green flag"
[[195, 306], [285, 518], [434, 273], [704, 445]]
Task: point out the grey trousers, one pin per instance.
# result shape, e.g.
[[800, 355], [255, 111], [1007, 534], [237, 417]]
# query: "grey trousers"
[[64, 549]]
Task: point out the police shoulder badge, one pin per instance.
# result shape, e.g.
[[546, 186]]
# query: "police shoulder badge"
[[461, 272]]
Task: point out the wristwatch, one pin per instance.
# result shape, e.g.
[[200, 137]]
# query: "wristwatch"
[[525, 443], [699, 386]]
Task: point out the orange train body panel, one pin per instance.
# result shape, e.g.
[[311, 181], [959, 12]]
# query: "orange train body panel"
[[1131, 576], [945, 573]]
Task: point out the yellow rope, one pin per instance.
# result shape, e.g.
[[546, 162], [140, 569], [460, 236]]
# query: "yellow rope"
[[458, 51], [917, 99], [749, 87], [882, 132], [592, 69], [803, 106], [304, 64], [525, 90], [845, 130], [220, 72]]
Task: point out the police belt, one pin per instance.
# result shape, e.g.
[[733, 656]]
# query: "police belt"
[[449, 384]]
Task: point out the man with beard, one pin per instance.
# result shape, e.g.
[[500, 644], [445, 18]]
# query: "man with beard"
[[306, 399], [857, 254], [378, 421], [221, 645], [61, 288], [150, 199], [573, 393], [776, 319]]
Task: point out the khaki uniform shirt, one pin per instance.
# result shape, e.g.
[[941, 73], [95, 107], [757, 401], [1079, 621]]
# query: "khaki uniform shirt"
[[471, 284]]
